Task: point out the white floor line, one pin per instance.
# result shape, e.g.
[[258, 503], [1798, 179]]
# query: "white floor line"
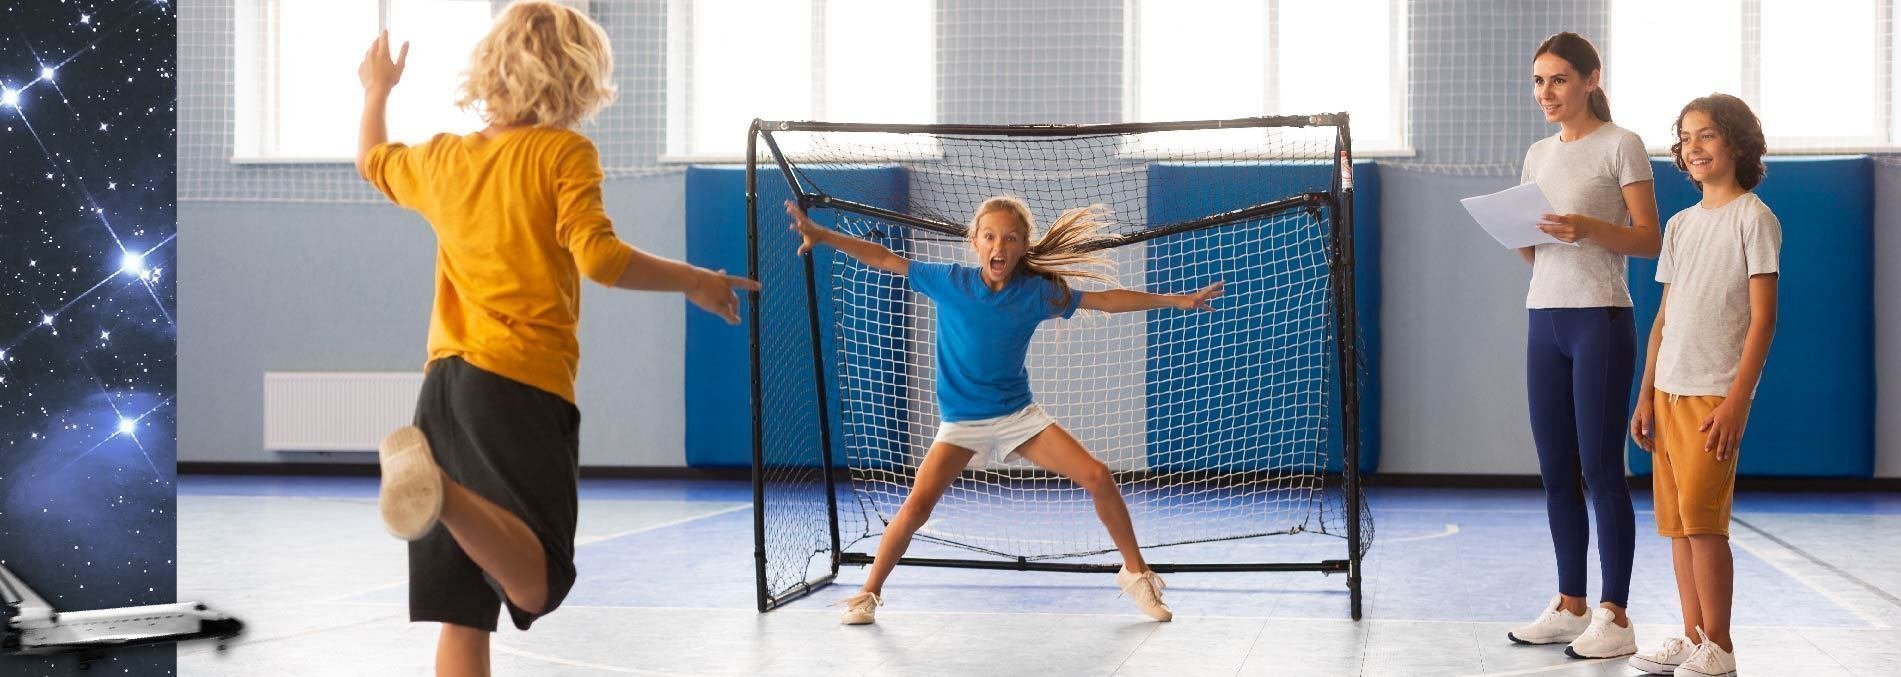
[[1744, 543], [662, 525], [340, 599], [512, 651], [1575, 664], [1451, 529]]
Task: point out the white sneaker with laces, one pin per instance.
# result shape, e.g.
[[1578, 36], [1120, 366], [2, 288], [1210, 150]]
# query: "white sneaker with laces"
[[1553, 626], [1664, 659], [1604, 638], [411, 494], [1709, 660], [860, 609], [1146, 589]]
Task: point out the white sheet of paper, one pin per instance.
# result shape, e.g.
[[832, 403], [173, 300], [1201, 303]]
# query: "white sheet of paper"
[[1511, 216]]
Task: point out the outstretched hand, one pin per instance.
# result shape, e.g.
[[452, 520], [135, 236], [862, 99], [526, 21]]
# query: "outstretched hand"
[[714, 293], [1199, 299], [378, 72], [808, 230]]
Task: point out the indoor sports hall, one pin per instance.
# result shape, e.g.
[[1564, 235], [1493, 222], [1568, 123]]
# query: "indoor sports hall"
[[1337, 469]]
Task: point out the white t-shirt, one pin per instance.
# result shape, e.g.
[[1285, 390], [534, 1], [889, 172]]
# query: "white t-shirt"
[[1584, 176], [1708, 257]]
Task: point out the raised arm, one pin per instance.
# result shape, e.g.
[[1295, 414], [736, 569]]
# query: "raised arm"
[[867, 252], [379, 75], [1125, 300]]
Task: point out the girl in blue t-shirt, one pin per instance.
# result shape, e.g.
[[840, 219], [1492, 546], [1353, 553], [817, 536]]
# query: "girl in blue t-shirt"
[[986, 316]]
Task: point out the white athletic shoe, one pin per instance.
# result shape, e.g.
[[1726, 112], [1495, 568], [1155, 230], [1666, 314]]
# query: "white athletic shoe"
[[1146, 589], [1553, 626], [1664, 659], [411, 497], [1604, 639], [1709, 660], [860, 609]]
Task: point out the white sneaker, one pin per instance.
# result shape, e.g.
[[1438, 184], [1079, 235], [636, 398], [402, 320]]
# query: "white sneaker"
[[1146, 589], [411, 495], [1709, 660], [1553, 626], [860, 609], [1604, 639], [1664, 659]]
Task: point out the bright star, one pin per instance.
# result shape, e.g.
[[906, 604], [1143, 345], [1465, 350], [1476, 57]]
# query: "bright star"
[[10, 97], [46, 73], [133, 263], [126, 426], [46, 319]]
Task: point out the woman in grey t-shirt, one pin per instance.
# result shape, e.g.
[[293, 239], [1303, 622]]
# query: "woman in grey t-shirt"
[[1581, 347]]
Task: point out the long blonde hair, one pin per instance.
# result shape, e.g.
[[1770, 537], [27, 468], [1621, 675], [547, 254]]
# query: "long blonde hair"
[[1066, 250], [542, 64]]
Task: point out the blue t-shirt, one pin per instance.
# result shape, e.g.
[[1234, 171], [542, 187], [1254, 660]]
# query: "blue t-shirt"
[[983, 337]]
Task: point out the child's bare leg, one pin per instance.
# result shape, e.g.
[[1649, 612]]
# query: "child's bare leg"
[[1057, 451], [935, 474], [461, 651], [1684, 563], [1715, 582], [500, 543]]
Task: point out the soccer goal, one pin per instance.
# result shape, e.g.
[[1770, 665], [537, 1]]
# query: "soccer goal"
[[1224, 429]]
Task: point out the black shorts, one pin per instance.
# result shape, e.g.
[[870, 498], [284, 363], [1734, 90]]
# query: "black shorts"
[[515, 445]]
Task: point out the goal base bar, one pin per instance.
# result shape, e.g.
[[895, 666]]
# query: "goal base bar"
[[769, 602], [1326, 566]]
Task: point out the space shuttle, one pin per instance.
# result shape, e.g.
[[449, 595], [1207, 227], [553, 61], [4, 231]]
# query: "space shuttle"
[[37, 629]]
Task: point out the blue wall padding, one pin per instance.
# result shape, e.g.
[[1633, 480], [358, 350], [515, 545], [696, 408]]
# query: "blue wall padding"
[[1200, 394], [1814, 411], [718, 376]]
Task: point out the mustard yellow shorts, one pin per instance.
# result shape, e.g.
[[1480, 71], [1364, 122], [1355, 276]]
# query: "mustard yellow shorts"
[[1693, 490]]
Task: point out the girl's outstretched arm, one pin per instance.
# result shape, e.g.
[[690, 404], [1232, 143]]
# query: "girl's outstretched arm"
[[379, 75], [867, 252], [1125, 300]]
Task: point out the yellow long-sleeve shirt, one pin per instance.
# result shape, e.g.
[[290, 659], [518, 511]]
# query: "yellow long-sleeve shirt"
[[518, 220]]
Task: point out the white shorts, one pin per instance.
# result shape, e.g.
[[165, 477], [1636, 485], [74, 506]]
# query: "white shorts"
[[995, 438]]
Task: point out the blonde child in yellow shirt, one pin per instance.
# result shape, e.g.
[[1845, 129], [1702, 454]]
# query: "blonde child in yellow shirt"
[[516, 207]]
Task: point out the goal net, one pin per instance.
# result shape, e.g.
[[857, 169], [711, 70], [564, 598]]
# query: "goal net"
[[1219, 426]]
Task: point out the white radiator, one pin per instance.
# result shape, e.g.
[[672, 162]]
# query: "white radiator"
[[336, 411]]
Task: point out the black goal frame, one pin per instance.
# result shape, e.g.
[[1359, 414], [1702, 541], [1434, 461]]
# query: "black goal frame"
[[1339, 202]]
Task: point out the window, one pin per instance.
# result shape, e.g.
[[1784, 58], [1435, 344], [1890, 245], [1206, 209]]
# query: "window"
[[1814, 72], [298, 97], [834, 60], [1209, 59]]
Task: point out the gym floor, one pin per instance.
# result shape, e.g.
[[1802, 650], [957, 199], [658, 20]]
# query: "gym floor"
[[666, 588]]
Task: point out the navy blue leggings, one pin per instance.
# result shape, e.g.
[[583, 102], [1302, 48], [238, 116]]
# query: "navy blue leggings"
[[1579, 362]]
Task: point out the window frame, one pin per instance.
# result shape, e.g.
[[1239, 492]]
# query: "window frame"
[[1398, 93]]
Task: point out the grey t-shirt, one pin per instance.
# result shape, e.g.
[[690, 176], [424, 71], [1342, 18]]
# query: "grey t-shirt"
[[1708, 257], [1584, 176]]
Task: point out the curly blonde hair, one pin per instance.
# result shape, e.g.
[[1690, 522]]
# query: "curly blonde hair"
[[1066, 250], [542, 64]]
